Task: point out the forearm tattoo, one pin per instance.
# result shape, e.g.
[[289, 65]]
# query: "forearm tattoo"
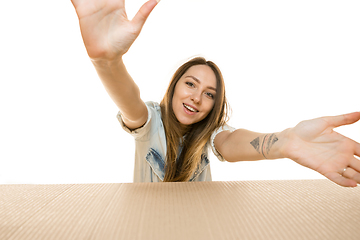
[[265, 146]]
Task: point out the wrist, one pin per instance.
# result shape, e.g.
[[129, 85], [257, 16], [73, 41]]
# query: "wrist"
[[107, 62], [283, 143], [111, 69]]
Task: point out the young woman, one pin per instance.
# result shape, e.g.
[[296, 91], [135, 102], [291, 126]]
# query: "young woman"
[[173, 137]]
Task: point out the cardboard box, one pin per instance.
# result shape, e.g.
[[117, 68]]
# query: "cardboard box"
[[296, 209]]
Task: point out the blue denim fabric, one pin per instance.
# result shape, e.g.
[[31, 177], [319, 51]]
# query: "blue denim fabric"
[[150, 149], [157, 164]]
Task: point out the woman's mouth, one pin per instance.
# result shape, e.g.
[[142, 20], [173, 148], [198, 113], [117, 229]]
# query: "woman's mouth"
[[190, 109]]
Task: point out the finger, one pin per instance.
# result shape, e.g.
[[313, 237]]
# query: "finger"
[[355, 164], [345, 119], [342, 181], [352, 174], [144, 12], [357, 149]]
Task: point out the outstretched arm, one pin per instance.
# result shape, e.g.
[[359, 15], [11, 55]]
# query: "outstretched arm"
[[108, 34], [312, 143], [245, 145]]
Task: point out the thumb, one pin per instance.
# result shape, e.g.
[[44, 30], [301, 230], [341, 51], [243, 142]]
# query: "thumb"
[[345, 119], [143, 13]]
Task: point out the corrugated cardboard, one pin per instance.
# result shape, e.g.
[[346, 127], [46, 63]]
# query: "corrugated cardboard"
[[299, 209]]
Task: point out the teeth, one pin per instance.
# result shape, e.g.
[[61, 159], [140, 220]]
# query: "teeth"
[[190, 108]]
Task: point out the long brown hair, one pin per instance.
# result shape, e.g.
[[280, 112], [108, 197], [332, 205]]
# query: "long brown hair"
[[181, 168]]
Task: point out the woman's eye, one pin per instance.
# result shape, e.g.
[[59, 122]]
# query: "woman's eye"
[[190, 84], [210, 95]]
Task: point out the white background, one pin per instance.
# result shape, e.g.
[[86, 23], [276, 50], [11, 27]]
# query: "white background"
[[283, 62]]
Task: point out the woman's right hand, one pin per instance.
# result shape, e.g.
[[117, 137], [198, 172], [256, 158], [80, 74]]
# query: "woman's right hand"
[[106, 31]]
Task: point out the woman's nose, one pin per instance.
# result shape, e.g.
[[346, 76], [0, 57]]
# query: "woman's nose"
[[196, 97]]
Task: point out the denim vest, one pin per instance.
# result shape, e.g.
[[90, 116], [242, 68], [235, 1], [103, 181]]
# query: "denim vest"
[[150, 149]]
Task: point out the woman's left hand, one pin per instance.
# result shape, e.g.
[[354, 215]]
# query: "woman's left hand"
[[314, 144]]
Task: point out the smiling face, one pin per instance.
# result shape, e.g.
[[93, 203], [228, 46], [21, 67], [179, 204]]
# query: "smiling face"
[[194, 94]]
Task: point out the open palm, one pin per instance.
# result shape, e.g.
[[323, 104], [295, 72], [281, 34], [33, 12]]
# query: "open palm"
[[105, 28], [314, 144]]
